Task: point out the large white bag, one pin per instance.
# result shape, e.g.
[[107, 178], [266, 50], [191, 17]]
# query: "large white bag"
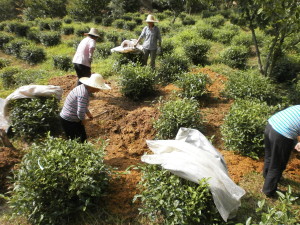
[[28, 91], [192, 157]]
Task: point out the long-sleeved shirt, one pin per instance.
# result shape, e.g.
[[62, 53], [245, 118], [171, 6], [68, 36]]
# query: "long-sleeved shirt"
[[85, 51], [76, 104], [151, 37], [287, 122]]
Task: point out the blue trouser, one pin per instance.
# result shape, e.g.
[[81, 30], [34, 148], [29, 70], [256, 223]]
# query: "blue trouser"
[[277, 153]]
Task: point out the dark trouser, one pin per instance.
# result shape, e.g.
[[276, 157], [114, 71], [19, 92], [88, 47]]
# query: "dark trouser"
[[277, 153], [152, 54], [74, 130], [82, 71]]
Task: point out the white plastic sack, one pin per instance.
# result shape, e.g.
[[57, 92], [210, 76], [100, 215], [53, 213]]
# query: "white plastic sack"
[[192, 157], [28, 91], [128, 46]]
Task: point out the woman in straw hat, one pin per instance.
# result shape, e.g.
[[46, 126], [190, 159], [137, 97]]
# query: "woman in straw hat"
[[76, 104], [83, 57], [152, 39]]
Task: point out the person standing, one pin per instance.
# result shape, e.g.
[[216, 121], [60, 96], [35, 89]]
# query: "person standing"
[[281, 134], [72, 115], [152, 41], [83, 57]]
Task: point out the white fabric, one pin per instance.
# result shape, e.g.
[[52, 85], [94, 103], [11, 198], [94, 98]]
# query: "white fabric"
[[192, 157], [28, 91], [128, 46], [84, 52]]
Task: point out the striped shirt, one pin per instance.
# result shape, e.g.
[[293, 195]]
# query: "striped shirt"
[[151, 37], [76, 104], [287, 122]]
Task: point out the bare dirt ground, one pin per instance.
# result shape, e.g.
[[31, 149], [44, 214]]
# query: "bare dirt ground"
[[127, 125]]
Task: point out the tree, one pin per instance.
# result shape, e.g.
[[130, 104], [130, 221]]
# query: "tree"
[[280, 19], [176, 6], [85, 10]]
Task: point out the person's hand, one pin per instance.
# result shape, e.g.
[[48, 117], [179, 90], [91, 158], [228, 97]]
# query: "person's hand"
[[91, 117], [159, 50], [297, 147]]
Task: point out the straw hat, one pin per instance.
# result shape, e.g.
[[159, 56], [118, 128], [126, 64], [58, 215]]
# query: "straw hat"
[[150, 18], [95, 81], [93, 32]]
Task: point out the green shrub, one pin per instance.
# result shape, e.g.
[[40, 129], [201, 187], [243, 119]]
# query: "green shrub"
[[196, 50], [97, 19], [244, 39], [33, 34], [62, 62], [58, 179], [161, 16], [17, 28], [164, 29], [103, 49], [14, 47], [127, 17], [34, 117], [2, 26], [81, 31], [123, 59], [243, 127], [215, 21], [175, 114], [32, 54], [205, 31], [107, 21], [67, 30], [112, 36], [5, 38], [224, 35], [43, 24], [55, 25], [251, 84], [235, 56], [118, 23], [4, 63], [67, 20], [74, 42], [49, 38], [193, 85], [129, 25], [29, 76], [174, 200], [167, 46], [136, 81], [171, 66], [138, 20], [282, 213], [188, 21], [7, 76]]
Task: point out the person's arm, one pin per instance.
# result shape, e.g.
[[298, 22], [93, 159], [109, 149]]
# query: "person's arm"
[[297, 147], [140, 37], [90, 116], [92, 47]]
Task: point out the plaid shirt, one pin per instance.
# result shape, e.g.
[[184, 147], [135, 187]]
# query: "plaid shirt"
[[76, 104], [151, 37]]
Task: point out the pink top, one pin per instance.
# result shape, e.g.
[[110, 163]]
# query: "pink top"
[[84, 52]]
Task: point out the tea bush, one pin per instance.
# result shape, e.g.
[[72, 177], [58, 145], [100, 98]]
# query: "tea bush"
[[7, 76], [118, 23], [20, 29], [175, 114], [55, 25], [32, 54], [43, 24], [5, 38], [123, 59], [67, 20], [62, 62], [244, 125], [49, 38], [14, 46], [4, 63], [81, 30], [224, 35], [193, 85], [188, 20], [196, 50], [167, 46], [103, 49], [171, 67], [129, 25], [67, 30], [107, 21], [138, 20], [58, 179], [97, 19], [33, 117], [29, 76], [136, 81], [244, 39], [251, 84], [205, 31], [33, 34], [165, 196], [235, 56], [215, 21], [112, 36]]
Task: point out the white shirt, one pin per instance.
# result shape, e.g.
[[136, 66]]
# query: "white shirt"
[[85, 51]]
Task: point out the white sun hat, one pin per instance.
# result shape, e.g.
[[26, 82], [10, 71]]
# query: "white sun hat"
[[93, 31], [95, 81], [150, 18]]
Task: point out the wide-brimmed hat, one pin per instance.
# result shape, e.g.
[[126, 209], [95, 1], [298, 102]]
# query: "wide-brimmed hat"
[[95, 81], [150, 18], [93, 31]]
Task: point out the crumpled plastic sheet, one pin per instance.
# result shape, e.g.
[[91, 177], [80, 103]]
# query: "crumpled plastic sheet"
[[192, 157], [28, 91], [128, 46]]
